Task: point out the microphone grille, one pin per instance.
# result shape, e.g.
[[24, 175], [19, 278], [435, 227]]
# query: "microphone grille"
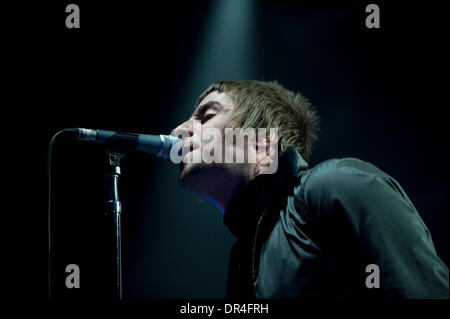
[[167, 142]]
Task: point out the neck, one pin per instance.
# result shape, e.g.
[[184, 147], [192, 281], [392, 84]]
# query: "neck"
[[222, 196], [218, 186]]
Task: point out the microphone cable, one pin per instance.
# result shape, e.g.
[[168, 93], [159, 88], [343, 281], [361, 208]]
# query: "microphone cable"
[[49, 168]]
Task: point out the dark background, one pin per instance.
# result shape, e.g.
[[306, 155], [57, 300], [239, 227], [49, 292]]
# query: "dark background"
[[139, 67]]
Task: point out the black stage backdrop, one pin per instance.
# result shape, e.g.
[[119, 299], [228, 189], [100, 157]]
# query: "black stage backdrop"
[[138, 67]]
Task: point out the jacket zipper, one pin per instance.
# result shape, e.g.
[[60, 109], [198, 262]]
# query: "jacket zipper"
[[254, 245]]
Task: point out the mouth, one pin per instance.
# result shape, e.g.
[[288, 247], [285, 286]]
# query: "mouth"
[[188, 147], [184, 161]]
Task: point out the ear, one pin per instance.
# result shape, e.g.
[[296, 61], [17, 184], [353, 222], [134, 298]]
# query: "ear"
[[267, 153]]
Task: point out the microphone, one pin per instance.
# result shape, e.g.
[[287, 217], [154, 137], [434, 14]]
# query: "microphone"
[[159, 145]]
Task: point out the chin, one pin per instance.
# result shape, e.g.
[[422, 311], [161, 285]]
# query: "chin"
[[200, 177], [189, 175], [184, 169]]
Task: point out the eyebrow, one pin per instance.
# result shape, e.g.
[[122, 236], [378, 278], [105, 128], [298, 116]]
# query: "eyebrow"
[[204, 107]]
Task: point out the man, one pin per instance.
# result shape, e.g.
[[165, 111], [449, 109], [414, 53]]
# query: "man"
[[340, 229]]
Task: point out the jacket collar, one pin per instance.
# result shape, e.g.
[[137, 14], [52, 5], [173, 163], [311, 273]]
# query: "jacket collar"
[[264, 192]]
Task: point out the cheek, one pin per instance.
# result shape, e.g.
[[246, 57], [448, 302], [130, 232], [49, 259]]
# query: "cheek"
[[216, 126], [219, 121], [228, 148]]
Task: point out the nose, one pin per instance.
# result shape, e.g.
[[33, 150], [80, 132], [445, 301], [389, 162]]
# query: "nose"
[[184, 130]]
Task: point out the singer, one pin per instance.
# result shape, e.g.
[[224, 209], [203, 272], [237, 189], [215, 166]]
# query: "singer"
[[306, 231]]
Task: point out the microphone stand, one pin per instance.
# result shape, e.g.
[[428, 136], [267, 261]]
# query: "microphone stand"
[[113, 208]]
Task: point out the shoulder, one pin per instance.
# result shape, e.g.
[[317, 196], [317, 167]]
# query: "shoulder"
[[340, 172], [344, 178]]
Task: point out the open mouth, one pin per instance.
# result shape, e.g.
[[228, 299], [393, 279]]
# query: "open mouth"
[[188, 147]]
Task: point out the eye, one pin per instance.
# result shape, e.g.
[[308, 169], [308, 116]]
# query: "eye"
[[207, 117]]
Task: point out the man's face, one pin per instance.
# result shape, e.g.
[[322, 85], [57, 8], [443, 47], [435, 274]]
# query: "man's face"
[[206, 178]]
